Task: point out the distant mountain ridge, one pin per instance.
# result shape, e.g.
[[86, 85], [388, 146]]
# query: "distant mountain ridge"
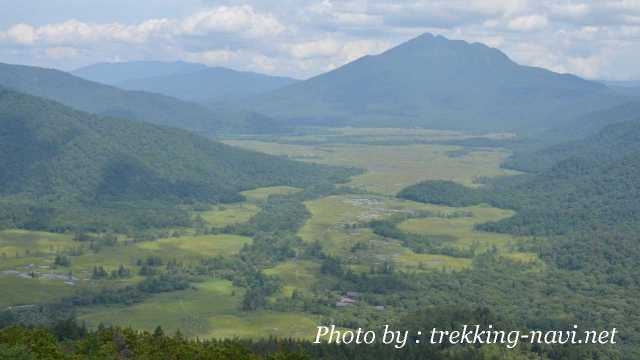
[[118, 72], [106, 100], [183, 80], [209, 85], [431, 81]]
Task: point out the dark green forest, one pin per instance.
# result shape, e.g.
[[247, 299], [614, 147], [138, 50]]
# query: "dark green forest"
[[592, 184], [607, 143], [66, 339], [58, 163], [581, 217]]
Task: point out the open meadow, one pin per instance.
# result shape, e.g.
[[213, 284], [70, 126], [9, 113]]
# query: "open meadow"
[[338, 224]]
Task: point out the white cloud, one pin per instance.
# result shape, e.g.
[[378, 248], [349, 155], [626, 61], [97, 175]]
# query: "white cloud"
[[336, 51], [315, 48], [21, 34], [213, 57], [528, 23], [588, 67], [304, 37], [240, 19], [570, 10]]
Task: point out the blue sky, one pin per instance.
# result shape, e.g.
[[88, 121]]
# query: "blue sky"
[[301, 38]]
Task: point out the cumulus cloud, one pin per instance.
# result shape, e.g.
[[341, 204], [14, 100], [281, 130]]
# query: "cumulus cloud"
[[213, 57], [304, 37], [528, 23], [570, 10], [242, 21], [21, 34]]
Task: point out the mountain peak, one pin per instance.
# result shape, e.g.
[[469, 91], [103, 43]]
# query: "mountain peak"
[[440, 48], [436, 82]]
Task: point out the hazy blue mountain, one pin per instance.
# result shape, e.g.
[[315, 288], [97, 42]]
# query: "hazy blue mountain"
[[628, 88], [114, 73], [434, 82], [593, 122], [107, 100], [621, 83], [209, 85]]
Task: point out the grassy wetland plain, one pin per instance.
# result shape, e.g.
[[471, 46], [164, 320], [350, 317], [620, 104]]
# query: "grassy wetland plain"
[[392, 159]]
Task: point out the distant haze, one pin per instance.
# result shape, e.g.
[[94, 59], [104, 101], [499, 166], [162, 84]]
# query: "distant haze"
[[187, 81]]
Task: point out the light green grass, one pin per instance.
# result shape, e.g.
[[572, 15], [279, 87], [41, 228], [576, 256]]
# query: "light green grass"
[[330, 215], [427, 134], [327, 226], [390, 168], [14, 242], [410, 260], [186, 249], [210, 311], [229, 214], [194, 247], [323, 135], [462, 229], [19, 291], [261, 194], [298, 275]]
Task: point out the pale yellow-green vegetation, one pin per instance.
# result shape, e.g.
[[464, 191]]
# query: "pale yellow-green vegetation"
[[462, 228], [410, 260], [210, 311], [426, 134], [109, 257], [21, 242], [330, 225], [390, 168], [336, 222], [27, 269], [333, 217], [298, 275], [187, 249], [21, 291], [262, 194], [384, 135], [195, 247], [23, 262], [229, 214]]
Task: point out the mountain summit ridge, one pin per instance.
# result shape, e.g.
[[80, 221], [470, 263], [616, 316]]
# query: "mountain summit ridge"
[[431, 81]]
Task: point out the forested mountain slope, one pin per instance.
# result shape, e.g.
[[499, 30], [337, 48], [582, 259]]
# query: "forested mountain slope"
[[592, 184], [55, 157], [604, 136], [106, 100], [431, 81]]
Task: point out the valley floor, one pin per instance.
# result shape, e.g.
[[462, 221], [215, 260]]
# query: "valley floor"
[[392, 158]]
